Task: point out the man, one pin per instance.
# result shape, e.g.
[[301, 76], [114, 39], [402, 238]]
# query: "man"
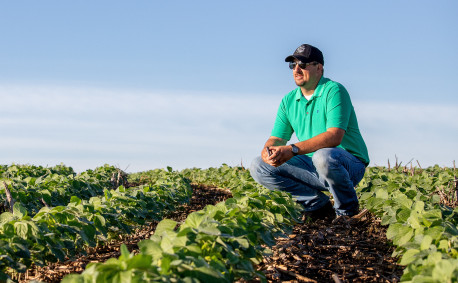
[[331, 154]]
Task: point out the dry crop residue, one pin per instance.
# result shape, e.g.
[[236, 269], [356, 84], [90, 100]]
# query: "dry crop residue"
[[334, 252]]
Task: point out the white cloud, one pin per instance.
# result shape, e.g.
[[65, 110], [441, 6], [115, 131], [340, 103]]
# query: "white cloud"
[[418, 131], [87, 127], [60, 124]]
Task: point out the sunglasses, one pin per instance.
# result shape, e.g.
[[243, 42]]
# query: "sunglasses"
[[292, 65]]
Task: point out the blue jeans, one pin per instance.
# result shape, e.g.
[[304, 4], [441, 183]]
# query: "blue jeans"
[[330, 169]]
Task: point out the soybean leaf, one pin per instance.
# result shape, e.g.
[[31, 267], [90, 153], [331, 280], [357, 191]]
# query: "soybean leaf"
[[19, 210], [409, 256], [166, 225]]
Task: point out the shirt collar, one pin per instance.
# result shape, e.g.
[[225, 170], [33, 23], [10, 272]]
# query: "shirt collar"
[[319, 87], [316, 93]]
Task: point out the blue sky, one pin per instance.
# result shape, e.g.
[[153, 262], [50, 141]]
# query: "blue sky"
[[149, 84]]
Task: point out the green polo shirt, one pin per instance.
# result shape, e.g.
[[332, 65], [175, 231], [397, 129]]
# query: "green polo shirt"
[[329, 107]]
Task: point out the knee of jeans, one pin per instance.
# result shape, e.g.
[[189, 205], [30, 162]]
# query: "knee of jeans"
[[255, 167], [322, 159]]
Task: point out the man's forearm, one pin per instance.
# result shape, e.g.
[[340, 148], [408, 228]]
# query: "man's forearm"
[[331, 138], [274, 141]]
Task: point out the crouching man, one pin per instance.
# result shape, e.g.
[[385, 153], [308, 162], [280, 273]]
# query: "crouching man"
[[331, 154]]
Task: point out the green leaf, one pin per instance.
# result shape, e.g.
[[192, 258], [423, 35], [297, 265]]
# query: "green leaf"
[[436, 199], [89, 231], [123, 277], [150, 247], [243, 243], [8, 230], [34, 229], [194, 219], [21, 250], [57, 252], [403, 215], [165, 264], [366, 196], [414, 221], [443, 245], [210, 230], [225, 245], [433, 258], [19, 211], [435, 232], [404, 201], [394, 230], [21, 229], [46, 195], [445, 269], [166, 225], [388, 219], [404, 238], [206, 274], [6, 217], [428, 217], [409, 256], [108, 195], [75, 200], [381, 194], [124, 252], [426, 242], [73, 278], [99, 222], [140, 261], [193, 248], [399, 233], [267, 238], [411, 193]]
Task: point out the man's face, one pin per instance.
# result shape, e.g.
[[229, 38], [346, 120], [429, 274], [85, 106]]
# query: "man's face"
[[307, 77]]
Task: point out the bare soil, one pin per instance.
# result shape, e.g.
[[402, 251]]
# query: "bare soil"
[[315, 252]]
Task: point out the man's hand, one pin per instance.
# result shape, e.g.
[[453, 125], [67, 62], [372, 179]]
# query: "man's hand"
[[280, 152], [278, 155]]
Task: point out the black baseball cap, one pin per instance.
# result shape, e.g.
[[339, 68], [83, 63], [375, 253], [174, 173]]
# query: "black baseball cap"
[[306, 53]]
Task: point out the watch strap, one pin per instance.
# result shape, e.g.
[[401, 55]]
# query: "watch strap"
[[294, 149]]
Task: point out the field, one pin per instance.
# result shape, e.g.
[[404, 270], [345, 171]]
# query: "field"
[[218, 225]]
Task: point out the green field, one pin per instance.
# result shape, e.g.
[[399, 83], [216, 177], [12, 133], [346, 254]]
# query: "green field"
[[53, 214]]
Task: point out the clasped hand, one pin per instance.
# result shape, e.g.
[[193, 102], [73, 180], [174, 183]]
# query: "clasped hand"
[[278, 155]]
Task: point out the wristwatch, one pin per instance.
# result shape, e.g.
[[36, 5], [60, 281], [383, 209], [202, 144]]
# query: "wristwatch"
[[294, 149]]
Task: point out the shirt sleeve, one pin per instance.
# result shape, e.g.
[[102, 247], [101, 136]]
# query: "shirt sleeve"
[[282, 127], [338, 108]]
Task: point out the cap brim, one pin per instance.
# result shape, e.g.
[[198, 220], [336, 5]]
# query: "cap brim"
[[298, 57]]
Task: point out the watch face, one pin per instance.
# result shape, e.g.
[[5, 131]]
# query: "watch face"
[[295, 149]]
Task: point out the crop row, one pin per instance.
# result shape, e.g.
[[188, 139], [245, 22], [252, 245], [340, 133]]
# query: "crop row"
[[420, 222], [54, 233], [224, 242], [220, 243], [423, 229], [37, 186]]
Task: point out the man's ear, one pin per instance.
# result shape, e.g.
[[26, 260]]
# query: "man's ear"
[[320, 67]]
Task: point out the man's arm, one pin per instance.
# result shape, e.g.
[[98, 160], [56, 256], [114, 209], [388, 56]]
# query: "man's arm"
[[331, 138], [280, 154]]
